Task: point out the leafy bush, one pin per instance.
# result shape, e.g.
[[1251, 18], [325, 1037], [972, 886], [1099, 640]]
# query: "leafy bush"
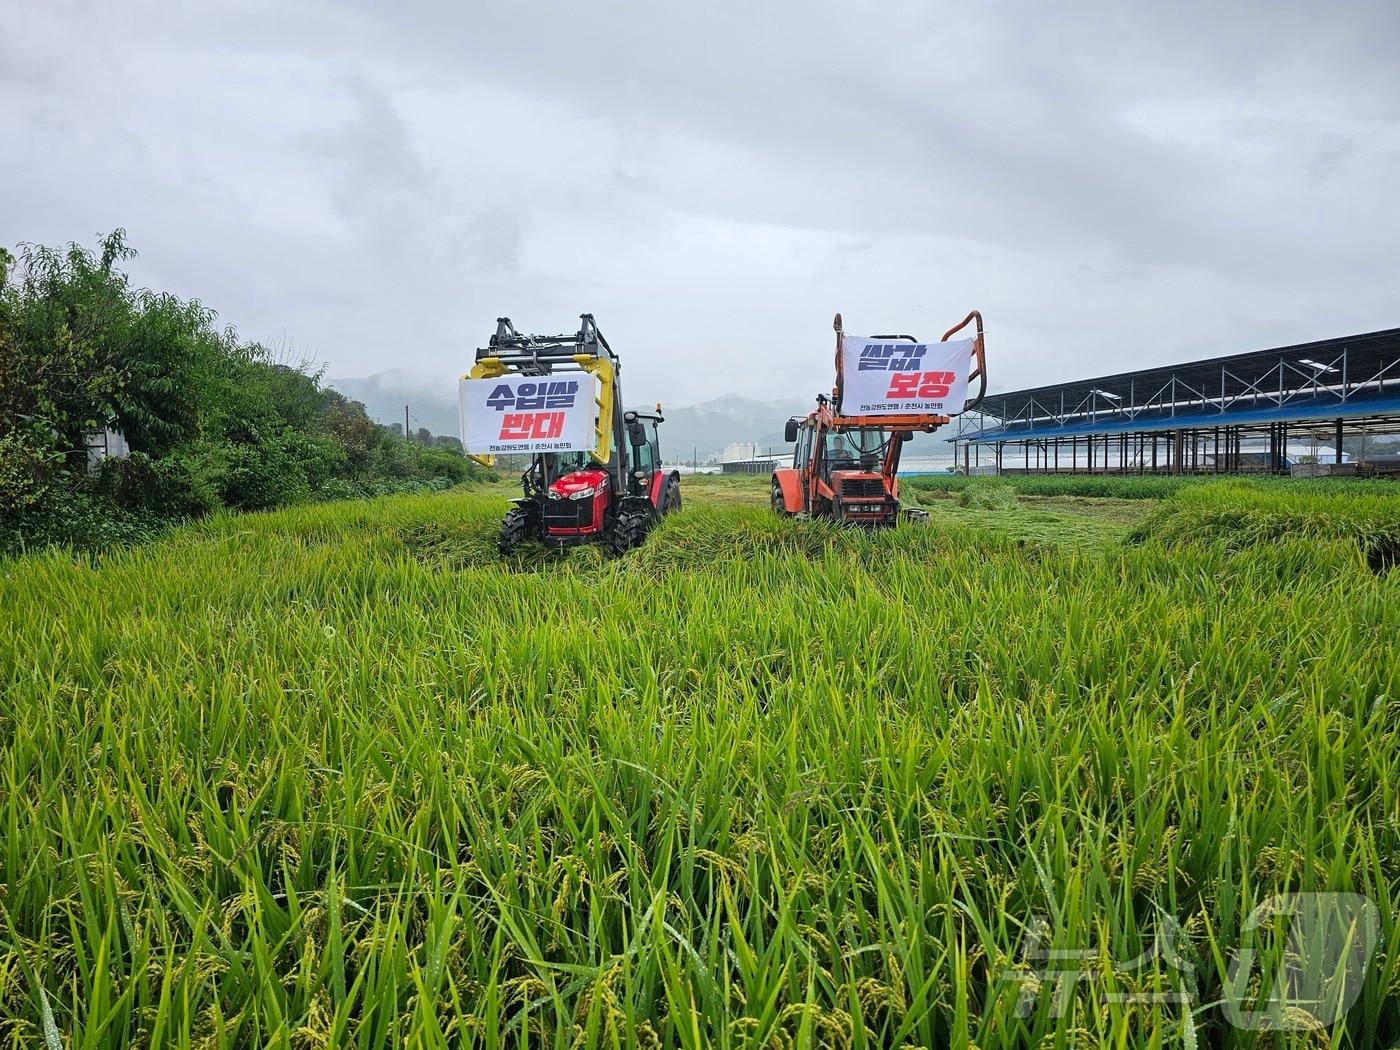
[[261, 476], [77, 519], [338, 488], [318, 456], [211, 421], [444, 463], [183, 484], [23, 473]]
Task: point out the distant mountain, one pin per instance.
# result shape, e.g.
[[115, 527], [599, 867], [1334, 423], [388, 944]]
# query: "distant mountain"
[[708, 427], [701, 430], [431, 402]]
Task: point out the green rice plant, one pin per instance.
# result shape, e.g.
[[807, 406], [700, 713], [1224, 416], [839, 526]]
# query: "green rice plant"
[[331, 776], [1103, 486], [1144, 486], [1241, 515], [988, 494]]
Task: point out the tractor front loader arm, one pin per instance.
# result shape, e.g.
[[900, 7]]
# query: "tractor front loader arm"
[[979, 353]]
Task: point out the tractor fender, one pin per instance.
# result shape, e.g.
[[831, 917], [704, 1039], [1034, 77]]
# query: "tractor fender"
[[787, 479], [658, 485]]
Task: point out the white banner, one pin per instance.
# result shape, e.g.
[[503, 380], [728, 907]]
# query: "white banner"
[[884, 377], [528, 413]]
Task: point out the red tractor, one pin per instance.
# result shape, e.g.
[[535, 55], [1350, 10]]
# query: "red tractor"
[[612, 493], [845, 467]]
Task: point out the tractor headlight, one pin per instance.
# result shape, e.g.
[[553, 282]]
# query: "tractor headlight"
[[554, 495], [583, 493]]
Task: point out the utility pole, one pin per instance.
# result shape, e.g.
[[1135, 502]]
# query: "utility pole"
[[405, 424]]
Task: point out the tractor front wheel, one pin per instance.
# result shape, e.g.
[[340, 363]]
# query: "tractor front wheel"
[[628, 530], [513, 530]]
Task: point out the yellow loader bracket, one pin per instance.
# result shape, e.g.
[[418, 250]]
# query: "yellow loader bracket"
[[603, 371], [486, 368]]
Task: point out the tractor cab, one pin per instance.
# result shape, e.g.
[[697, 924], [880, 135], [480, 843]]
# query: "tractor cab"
[[644, 451], [853, 453], [842, 472]]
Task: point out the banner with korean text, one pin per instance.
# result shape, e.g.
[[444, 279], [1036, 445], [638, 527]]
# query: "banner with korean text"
[[885, 377], [530, 414]]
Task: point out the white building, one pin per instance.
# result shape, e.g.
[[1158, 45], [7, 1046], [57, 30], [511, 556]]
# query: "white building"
[[738, 452], [106, 444]]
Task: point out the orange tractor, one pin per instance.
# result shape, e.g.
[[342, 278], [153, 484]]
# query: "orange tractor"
[[845, 466]]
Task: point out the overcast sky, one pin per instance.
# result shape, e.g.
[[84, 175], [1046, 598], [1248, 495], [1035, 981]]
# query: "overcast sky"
[[372, 185]]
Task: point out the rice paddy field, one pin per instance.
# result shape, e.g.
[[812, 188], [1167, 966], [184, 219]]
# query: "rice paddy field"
[[340, 776]]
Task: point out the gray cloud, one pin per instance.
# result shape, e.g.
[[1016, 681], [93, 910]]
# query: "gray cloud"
[[1114, 185], [493, 240], [378, 178]]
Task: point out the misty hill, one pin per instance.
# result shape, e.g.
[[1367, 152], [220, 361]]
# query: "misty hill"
[[432, 403], [703, 429], [711, 425]]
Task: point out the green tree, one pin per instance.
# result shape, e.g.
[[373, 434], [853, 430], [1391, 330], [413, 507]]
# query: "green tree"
[[66, 316], [211, 420]]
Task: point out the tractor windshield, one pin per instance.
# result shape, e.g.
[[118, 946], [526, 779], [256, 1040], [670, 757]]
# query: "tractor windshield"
[[849, 449], [562, 463]]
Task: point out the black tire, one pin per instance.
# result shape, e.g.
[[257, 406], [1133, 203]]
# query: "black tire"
[[779, 504], [514, 529], [671, 496], [628, 530]]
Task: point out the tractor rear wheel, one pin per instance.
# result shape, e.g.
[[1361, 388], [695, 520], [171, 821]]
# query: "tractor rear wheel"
[[513, 530], [628, 530], [671, 496]]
